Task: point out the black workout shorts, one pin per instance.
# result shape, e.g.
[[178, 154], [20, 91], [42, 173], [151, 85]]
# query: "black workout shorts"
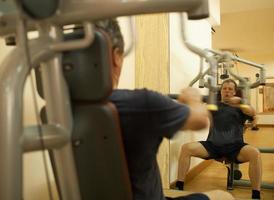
[[196, 196], [228, 151]]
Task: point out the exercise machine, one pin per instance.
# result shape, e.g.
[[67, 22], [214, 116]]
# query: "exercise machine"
[[75, 95]]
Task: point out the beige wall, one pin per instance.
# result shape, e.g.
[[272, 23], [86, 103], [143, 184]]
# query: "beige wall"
[[127, 78]]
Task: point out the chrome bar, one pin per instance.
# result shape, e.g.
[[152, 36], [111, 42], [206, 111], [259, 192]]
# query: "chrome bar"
[[227, 57], [76, 44], [212, 71], [235, 58], [53, 136], [13, 74], [257, 83], [247, 183], [266, 150], [199, 75], [97, 9], [191, 47], [58, 111], [247, 62], [72, 11], [202, 82]]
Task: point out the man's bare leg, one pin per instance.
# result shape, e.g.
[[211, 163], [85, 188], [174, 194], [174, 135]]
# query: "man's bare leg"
[[188, 150], [252, 155]]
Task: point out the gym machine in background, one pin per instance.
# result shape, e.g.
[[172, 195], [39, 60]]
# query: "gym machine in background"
[[225, 61]]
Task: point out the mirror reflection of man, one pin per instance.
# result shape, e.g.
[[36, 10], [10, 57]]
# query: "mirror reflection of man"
[[225, 139]]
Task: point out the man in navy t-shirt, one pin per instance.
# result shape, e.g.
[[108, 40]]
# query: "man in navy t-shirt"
[[225, 139], [146, 117]]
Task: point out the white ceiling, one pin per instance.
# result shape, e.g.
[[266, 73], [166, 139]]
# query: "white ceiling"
[[247, 26]]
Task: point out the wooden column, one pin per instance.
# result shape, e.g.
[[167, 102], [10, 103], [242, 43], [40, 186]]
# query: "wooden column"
[[152, 68]]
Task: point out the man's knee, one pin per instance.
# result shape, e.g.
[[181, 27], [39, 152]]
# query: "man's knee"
[[251, 153], [191, 149], [186, 149], [255, 154]]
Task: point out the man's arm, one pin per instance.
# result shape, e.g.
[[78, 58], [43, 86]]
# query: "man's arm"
[[199, 115], [246, 109]]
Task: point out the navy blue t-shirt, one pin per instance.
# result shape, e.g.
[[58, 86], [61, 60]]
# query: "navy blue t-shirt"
[[146, 117], [228, 125]]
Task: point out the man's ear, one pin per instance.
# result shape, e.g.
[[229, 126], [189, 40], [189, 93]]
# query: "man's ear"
[[234, 93], [117, 58]]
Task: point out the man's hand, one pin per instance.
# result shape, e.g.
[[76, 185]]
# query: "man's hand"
[[190, 95], [198, 116], [234, 101]]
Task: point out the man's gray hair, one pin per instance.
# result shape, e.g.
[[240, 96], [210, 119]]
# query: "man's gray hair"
[[112, 28]]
